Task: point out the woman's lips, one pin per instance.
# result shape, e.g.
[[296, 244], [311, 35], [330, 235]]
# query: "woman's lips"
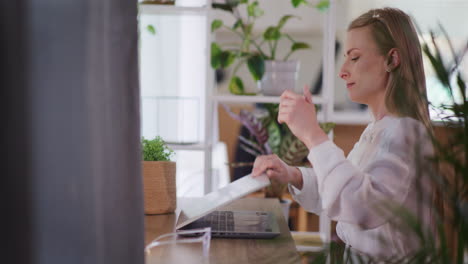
[[349, 85]]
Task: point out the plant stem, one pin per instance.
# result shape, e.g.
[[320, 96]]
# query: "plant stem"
[[235, 31], [237, 67], [275, 45], [289, 37], [290, 52], [271, 49], [287, 55], [259, 49]]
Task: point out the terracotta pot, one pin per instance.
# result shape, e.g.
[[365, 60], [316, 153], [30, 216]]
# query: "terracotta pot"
[[159, 185]]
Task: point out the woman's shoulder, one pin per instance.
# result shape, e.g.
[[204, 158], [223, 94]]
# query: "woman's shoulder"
[[402, 126], [403, 134]]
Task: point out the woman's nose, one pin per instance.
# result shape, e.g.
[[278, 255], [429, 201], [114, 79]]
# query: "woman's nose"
[[343, 73]]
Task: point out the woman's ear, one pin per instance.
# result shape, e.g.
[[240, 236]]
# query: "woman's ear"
[[393, 59]]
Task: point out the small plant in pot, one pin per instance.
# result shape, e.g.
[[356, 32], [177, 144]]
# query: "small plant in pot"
[[272, 72], [159, 177]]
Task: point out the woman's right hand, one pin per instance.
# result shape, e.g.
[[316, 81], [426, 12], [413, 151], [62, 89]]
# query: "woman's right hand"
[[278, 170]]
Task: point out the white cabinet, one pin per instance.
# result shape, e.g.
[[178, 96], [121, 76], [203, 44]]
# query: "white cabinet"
[[184, 75]]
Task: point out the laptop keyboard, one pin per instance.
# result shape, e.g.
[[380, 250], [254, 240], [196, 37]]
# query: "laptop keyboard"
[[220, 220]]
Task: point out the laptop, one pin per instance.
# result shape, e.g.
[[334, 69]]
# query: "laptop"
[[202, 212]]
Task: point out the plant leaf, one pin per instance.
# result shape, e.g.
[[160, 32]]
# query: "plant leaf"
[[253, 124], [246, 45], [151, 29], [462, 87], [256, 66], [236, 86], [225, 7], [249, 150], [272, 33], [215, 55], [323, 5], [216, 24], [292, 150], [237, 24], [234, 3], [155, 150], [274, 139], [226, 58], [327, 126], [299, 45], [251, 144], [296, 3], [248, 29], [253, 10], [283, 20]]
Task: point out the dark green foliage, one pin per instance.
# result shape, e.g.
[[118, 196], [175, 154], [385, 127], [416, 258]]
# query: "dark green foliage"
[[256, 66], [236, 86], [292, 150], [155, 150]]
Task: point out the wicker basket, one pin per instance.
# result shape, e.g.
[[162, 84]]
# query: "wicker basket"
[[159, 184]]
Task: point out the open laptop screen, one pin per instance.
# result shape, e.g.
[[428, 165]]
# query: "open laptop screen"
[[210, 202]]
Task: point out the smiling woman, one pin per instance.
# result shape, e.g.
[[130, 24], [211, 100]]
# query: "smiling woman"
[[383, 69], [365, 69]]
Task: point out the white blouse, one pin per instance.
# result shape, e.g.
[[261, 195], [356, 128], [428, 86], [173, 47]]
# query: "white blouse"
[[386, 167]]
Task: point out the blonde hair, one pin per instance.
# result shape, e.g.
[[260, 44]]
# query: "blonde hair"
[[406, 90]]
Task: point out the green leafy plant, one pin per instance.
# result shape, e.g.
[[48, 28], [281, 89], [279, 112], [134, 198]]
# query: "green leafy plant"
[[452, 181], [155, 150], [267, 137], [250, 48]]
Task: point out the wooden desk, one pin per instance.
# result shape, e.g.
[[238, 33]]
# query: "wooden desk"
[[278, 250]]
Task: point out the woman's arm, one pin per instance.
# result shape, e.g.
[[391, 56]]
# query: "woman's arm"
[[355, 195], [302, 181], [307, 196]]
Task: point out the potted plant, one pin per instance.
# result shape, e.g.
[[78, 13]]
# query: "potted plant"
[[267, 136], [159, 177], [273, 73]]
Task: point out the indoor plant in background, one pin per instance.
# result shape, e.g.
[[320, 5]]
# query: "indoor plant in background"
[[272, 72], [159, 177], [267, 137]]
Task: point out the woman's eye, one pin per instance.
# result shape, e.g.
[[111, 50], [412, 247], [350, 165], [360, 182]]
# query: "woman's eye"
[[355, 58]]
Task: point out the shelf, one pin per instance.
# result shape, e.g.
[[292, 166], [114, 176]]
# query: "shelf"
[[257, 99], [154, 9], [188, 146]]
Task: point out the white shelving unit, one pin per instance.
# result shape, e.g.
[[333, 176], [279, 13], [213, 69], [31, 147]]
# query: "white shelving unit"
[[173, 10], [325, 99], [210, 136]]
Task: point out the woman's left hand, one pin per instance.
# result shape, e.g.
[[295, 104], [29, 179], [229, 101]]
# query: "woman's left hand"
[[298, 112]]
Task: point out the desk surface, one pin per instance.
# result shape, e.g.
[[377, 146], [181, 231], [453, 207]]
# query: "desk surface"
[[278, 250]]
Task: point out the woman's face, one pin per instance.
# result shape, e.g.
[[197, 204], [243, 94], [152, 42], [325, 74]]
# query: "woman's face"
[[364, 69]]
